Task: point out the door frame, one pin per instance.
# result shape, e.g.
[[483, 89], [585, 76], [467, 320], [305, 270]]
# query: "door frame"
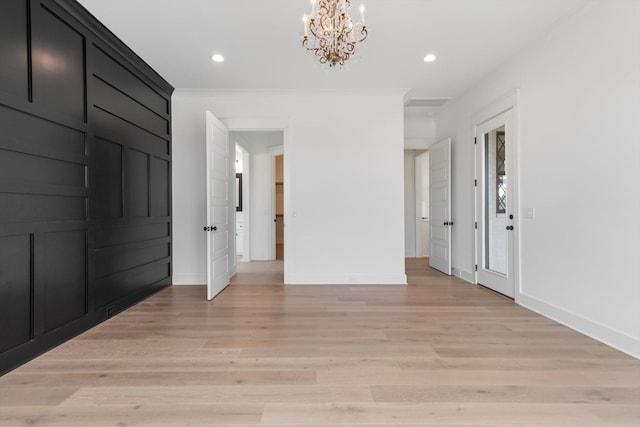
[[501, 105]]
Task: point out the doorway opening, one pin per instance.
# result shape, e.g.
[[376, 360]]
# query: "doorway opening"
[[423, 230], [416, 203], [428, 218], [279, 206], [260, 208]]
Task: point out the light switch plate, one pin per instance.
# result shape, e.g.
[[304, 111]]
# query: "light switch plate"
[[529, 213]]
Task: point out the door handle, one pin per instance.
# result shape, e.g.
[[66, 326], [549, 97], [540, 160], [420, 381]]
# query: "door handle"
[[214, 228], [510, 227], [448, 223]]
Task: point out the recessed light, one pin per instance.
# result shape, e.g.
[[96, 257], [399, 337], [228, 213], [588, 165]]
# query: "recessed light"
[[217, 58], [430, 58]]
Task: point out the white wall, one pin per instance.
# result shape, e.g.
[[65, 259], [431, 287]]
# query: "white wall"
[[579, 162], [344, 170]]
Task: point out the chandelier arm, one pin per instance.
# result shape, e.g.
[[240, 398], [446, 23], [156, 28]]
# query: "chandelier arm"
[[364, 33], [313, 27]]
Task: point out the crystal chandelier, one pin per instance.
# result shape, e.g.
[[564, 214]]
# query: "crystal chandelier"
[[330, 33]]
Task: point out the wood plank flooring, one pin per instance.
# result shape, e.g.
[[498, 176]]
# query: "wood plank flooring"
[[439, 352]]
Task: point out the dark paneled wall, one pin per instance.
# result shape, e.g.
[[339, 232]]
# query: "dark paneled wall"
[[85, 176]]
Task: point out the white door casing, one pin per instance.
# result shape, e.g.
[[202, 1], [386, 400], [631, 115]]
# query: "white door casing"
[[218, 205], [440, 205], [495, 239]]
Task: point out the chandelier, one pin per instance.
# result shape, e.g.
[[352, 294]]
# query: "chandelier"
[[330, 33]]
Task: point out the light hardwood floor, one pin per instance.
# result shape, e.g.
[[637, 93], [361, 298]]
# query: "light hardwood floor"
[[439, 352]]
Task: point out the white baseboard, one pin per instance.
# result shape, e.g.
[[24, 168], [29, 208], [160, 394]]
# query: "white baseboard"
[[611, 337], [189, 280], [464, 275], [390, 279]]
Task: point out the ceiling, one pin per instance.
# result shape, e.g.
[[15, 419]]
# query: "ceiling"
[[260, 40]]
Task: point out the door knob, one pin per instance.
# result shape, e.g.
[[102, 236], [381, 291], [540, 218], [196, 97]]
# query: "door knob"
[[509, 227], [214, 228]]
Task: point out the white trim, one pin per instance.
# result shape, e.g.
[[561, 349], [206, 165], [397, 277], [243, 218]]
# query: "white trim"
[[189, 280], [382, 279], [611, 337], [464, 275]]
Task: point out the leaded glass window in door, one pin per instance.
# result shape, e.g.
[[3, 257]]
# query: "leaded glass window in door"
[[501, 173]]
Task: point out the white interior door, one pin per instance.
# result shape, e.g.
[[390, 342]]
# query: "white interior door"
[[218, 206], [440, 205], [494, 204]]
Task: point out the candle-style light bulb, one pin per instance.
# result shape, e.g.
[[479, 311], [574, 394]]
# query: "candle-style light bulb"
[[313, 7], [304, 20], [362, 13]]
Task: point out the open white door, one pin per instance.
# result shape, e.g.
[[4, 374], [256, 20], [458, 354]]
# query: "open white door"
[[440, 205], [218, 202]]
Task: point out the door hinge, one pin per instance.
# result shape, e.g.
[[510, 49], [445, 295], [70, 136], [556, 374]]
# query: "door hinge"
[[476, 267], [476, 225], [475, 182], [475, 140]]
